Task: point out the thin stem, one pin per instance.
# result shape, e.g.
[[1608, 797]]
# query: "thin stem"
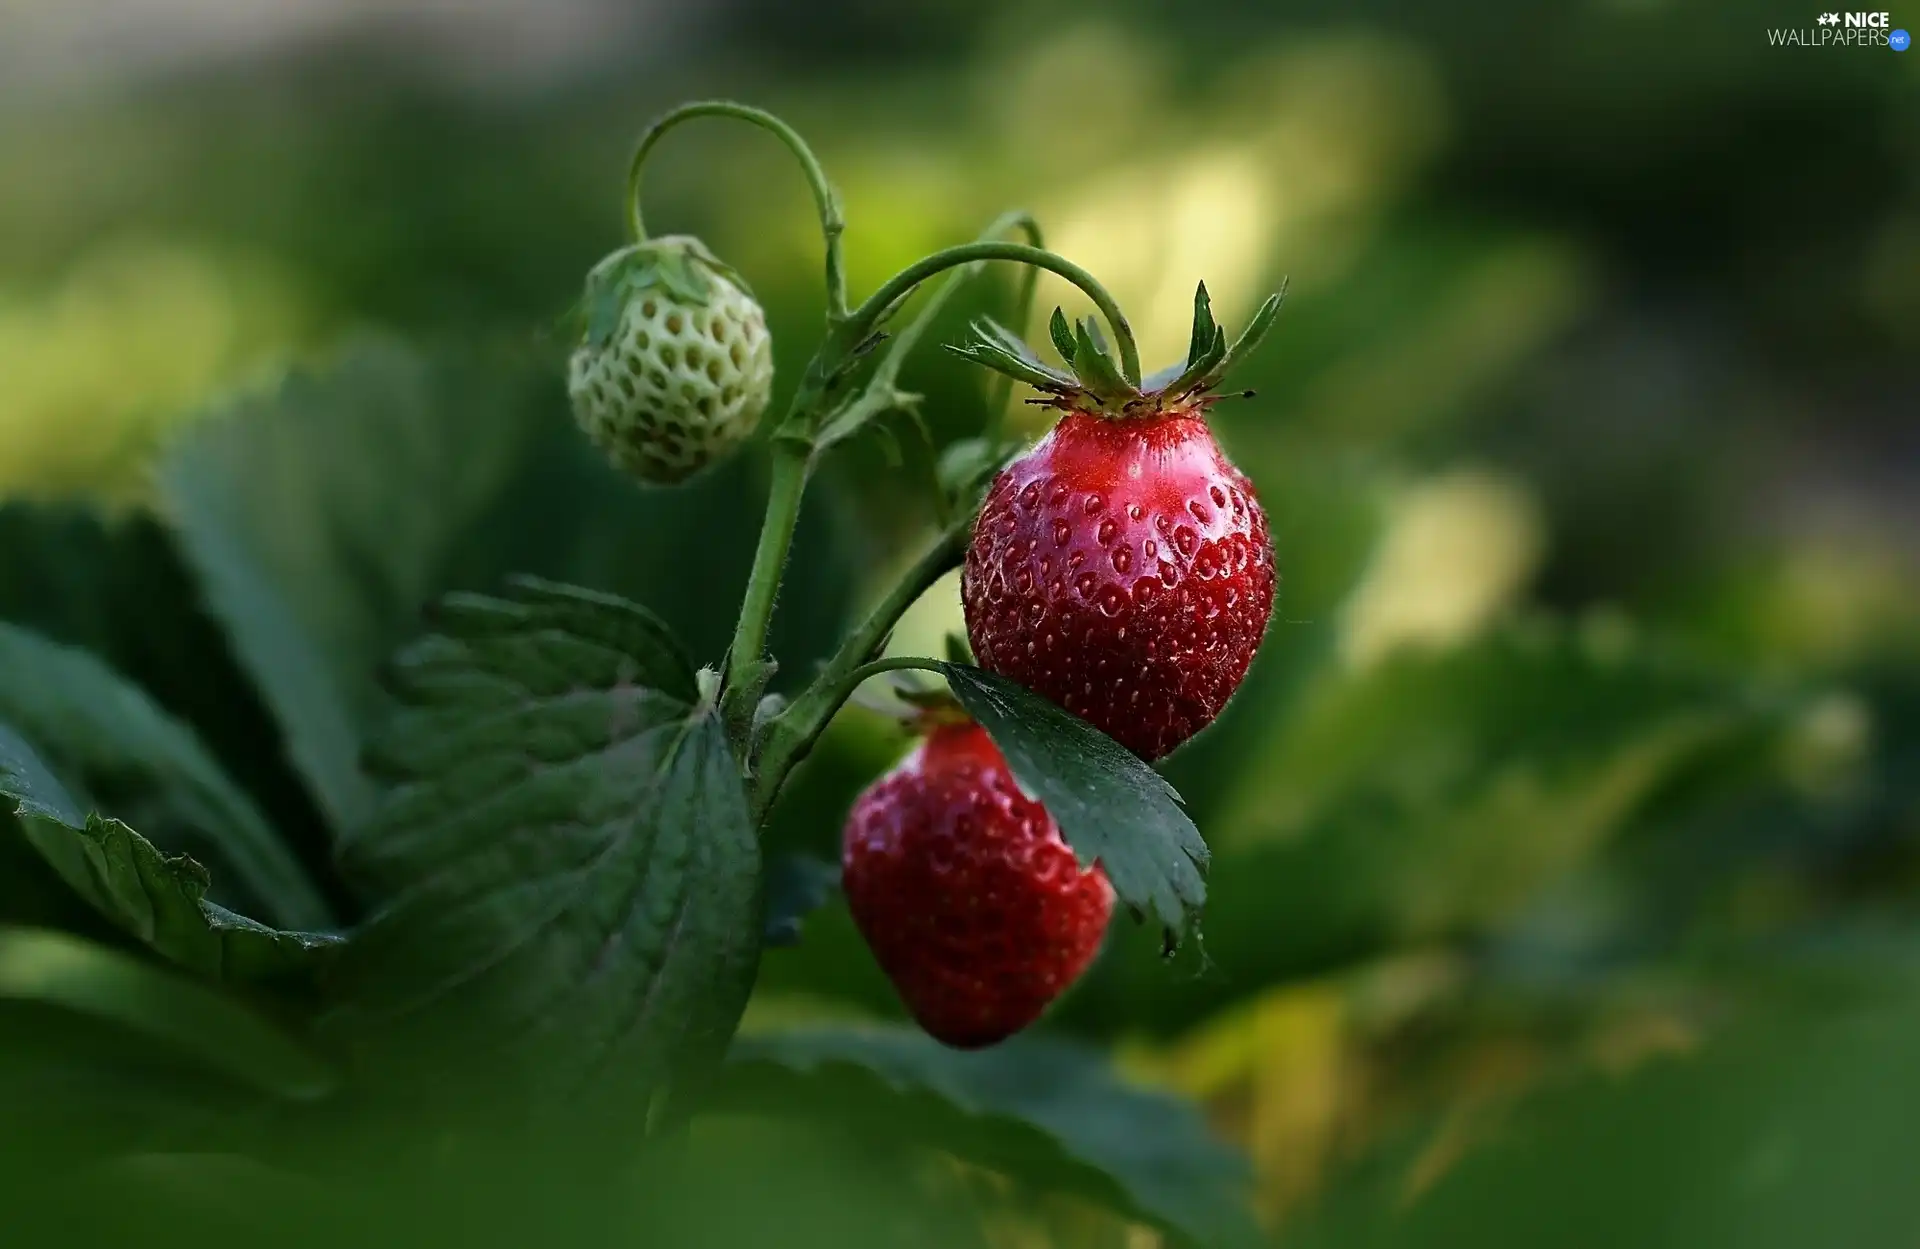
[[832, 221], [861, 320], [904, 342], [802, 723], [1000, 393], [790, 464], [853, 680], [938, 560]]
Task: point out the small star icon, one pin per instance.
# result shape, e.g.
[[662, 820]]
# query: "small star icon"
[[1829, 19]]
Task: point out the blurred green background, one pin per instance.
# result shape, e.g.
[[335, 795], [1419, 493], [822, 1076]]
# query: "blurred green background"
[[1567, 833]]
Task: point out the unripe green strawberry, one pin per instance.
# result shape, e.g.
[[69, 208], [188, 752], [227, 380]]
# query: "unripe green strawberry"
[[675, 366]]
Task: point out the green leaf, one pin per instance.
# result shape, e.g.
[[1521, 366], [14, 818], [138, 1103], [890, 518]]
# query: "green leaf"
[[35, 791], [115, 585], [319, 516], [156, 898], [1436, 793], [1788, 1131], [55, 969], [1110, 806], [107, 739], [1050, 1114], [797, 886], [574, 912]]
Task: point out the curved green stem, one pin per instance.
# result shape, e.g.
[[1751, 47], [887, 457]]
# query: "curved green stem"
[[832, 222], [904, 342], [1001, 393], [853, 680], [934, 563], [802, 723], [861, 321]]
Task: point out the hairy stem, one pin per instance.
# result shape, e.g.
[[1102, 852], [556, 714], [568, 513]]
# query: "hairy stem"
[[790, 464], [832, 222]]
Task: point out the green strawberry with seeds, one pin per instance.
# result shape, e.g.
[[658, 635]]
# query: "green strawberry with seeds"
[[675, 364]]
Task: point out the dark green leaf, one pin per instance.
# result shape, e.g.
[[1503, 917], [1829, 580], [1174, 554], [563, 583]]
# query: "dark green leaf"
[[1789, 1131], [106, 739], [797, 886], [320, 516], [157, 898], [1110, 806], [573, 880], [1436, 792], [1049, 1114], [115, 585], [58, 970]]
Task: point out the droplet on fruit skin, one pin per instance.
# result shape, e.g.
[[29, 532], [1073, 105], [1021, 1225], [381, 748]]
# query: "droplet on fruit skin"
[[1152, 622], [978, 954]]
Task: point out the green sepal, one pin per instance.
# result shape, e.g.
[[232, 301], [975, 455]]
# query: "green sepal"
[[1094, 366], [1003, 351], [1206, 352], [1062, 335], [1256, 330], [1097, 378], [680, 265], [1205, 331]]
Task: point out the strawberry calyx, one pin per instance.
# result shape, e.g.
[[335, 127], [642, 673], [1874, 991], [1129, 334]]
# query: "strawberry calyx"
[[1092, 382], [678, 264]]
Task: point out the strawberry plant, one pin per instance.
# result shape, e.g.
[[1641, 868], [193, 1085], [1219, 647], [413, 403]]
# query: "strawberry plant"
[[521, 957], [440, 815]]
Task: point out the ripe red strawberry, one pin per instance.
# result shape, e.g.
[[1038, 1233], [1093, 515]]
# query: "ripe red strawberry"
[[975, 908], [1121, 567]]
